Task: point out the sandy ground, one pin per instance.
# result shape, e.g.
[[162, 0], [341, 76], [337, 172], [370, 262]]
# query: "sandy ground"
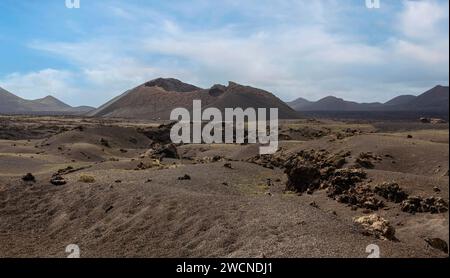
[[218, 212]]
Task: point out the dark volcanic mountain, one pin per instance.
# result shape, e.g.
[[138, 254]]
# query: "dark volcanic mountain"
[[299, 104], [157, 98], [400, 100], [9, 102], [172, 84], [53, 103], [12, 104], [331, 103], [436, 100]]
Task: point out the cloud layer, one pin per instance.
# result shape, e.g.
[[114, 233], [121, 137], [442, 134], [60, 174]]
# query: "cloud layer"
[[292, 48]]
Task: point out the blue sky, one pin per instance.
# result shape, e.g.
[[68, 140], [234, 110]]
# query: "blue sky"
[[293, 48]]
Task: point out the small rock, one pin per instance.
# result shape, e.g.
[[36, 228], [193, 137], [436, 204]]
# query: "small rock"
[[29, 178], [409, 136], [436, 189], [58, 180], [437, 243], [185, 177], [377, 226], [216, 158], [228, 165], [118, 181], [105, 143], [108, 209], [314, 205]]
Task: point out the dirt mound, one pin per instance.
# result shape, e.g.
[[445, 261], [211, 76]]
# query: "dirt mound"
[[103, 136], [420, 156], [153, 163], [367, 159], [277, 160], [307, 133]]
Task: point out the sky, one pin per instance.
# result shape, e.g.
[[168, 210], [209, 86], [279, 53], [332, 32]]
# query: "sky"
[[292, 48]]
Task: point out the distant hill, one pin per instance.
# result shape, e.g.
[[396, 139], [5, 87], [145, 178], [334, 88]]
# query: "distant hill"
[[157, 98], [53, 103], [400, 100], [299, 103], [12, 104], [331, 103], [434, 100]]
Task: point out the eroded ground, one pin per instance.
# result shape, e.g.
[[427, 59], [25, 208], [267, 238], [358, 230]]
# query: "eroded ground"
[[115, 188]]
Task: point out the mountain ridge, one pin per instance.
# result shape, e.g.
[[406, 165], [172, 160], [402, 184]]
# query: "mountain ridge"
[[155, 100], [12, 104], [435, 99]]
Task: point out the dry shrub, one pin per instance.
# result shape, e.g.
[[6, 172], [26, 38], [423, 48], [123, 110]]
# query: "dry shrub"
[[87, 179]]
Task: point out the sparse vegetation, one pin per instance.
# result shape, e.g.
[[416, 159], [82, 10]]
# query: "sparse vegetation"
[[86, 179]]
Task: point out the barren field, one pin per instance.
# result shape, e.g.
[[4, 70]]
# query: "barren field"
[[118, 188]]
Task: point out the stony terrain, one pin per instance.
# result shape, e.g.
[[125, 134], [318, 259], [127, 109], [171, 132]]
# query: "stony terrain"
[[118, 188]]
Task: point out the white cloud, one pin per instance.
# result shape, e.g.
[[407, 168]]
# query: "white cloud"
[[427, 54], [38, 84], [292, 48], [423, 20]]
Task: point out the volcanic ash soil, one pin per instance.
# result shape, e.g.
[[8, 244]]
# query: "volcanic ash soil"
[[119, 188]]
